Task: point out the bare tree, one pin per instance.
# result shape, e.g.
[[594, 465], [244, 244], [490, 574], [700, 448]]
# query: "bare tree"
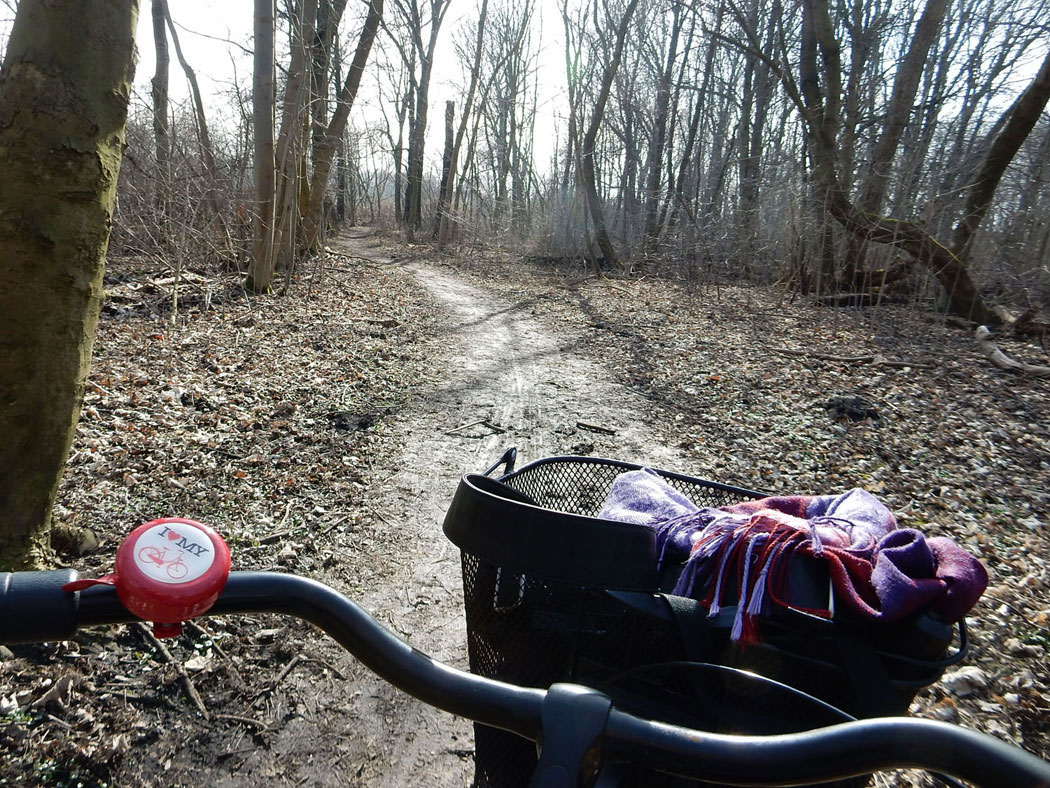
[[448, 183], [590, 138], [322, 55], [261, 267], [1020, 119], [819, 98], [292, 139], [509, 62], [422, 26], [658, 137], [161, 133], [326, 141], [201, 123], [898, 113], [445, 192]]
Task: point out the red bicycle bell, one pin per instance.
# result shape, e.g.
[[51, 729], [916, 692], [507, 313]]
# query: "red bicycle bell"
[[168, 571]]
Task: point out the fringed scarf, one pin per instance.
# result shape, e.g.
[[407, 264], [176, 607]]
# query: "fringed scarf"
[[741, 554]]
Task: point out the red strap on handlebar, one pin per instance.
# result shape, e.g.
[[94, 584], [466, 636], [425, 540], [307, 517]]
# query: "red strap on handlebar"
[[80, 585]]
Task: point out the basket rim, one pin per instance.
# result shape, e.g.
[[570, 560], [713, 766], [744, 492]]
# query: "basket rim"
[[560, 546], [632, 466], [492, 520]]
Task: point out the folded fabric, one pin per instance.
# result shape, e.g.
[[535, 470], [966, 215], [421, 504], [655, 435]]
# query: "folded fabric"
[[881, 572]]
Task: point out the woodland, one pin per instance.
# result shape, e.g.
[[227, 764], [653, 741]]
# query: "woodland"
[[813, 237]]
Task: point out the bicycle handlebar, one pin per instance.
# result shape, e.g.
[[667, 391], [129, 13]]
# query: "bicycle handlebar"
[[34, 608]]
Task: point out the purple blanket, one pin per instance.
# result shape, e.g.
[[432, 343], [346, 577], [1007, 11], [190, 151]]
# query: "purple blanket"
[[883, 573]]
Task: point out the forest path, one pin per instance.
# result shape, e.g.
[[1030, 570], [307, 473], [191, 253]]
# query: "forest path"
[[508, 380]]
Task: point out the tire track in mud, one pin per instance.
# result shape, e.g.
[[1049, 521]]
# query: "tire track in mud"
[[509, 380]]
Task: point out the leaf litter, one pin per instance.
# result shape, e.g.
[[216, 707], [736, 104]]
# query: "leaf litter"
[[272, 416]]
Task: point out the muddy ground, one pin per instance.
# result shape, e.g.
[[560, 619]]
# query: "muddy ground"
[[323, 432]]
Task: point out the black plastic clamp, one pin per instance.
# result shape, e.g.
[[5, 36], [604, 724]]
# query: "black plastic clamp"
[[574, 721]]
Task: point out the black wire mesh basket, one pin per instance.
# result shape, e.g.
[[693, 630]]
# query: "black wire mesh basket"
[[552, 593]]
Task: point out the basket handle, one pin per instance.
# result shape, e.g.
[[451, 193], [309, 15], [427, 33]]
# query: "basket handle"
[[510, 456]]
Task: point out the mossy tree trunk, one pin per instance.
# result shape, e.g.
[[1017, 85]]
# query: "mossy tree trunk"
[[64, 89]]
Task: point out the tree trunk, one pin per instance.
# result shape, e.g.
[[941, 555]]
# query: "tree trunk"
[[445, 193], [64, 90], [398, 155], [418, 129], [445, 222], [1022, 117], [572, 77], [659, 136], [326, 145], [821, 115], [590, 138], [161, 133], [897, 117], [754, 113], [905, 85], [416, 142], [291, 139], [688, 161], [261, 267], [324, 47]]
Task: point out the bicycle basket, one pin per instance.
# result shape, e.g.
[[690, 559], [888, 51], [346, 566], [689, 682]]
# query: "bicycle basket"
[[552, 593]]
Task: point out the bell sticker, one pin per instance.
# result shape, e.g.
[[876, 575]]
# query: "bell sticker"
[[173, 553]]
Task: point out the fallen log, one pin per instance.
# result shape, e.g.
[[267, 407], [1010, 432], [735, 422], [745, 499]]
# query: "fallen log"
[[990, 349]]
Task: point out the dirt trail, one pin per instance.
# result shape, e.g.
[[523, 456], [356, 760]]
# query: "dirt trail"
[[506, 371]]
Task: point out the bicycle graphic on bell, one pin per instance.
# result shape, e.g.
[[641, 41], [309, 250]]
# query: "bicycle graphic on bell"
[[175, 568]]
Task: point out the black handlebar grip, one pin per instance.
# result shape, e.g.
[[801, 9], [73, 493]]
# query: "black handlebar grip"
[[34, 608]]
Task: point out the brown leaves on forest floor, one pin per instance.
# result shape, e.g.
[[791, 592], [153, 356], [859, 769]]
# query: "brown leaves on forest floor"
[[262, 415], [266, 414], [259, 412]]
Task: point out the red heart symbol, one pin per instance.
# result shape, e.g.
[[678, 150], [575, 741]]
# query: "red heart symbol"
[[172, 536]]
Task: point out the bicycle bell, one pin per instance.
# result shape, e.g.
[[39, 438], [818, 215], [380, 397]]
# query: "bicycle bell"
[[168, 571]]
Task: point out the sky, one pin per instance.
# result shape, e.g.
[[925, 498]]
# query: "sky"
[[216, 38], [205, 28]]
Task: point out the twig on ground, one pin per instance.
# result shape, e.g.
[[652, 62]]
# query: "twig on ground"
[[276, 536], [611, 286], [317, 661], [99, 388], [882, 362], [464, 426], [379, 514], [246, 720], [594, 428], [496, 429], [286, 670], [334, 523], [184, 677], [214, 646], [385, 322], [61, 722]]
